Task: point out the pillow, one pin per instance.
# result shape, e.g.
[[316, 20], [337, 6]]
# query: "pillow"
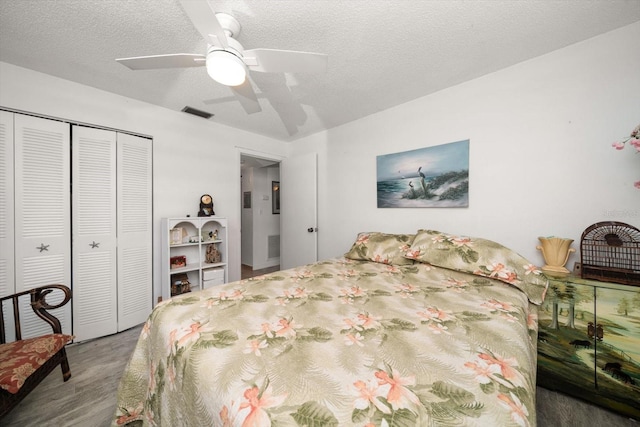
[[481, 257], [382, 248]]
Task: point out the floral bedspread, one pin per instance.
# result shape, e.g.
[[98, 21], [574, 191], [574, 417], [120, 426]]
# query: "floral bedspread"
[[337, 343]]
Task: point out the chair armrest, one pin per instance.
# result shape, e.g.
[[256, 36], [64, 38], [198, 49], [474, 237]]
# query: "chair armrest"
[[39, 305]]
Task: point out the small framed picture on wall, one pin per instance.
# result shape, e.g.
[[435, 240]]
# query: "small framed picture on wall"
[[275, 197]]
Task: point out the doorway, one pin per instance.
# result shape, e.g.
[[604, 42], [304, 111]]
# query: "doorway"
[[260, 215]]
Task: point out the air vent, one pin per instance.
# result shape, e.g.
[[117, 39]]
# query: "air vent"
[[197, 112], [273, 250]]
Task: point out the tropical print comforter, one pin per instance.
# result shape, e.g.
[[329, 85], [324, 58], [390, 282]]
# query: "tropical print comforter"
[[338, 343]]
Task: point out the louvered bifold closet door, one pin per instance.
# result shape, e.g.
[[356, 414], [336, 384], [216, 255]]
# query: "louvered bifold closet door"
[[7, 284], [42, 213], [94, 232], [135, 230]]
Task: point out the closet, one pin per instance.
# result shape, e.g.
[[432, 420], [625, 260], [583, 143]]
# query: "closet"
[[82, 216], [35, 234], [112, 231]]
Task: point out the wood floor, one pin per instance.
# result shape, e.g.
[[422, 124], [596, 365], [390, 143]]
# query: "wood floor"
[[247, 271], [89, 397]]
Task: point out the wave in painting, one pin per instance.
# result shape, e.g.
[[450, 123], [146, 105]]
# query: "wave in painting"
[[449, 189]]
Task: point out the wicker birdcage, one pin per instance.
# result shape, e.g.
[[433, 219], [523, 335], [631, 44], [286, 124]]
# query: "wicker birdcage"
[[610, 251]]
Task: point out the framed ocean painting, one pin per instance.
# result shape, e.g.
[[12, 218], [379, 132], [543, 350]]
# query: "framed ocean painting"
[[431, 177]]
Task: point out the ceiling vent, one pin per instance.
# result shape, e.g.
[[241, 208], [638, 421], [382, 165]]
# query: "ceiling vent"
[[197, 112]]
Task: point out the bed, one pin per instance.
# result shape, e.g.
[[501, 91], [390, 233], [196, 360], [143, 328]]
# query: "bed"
[[406, 329]]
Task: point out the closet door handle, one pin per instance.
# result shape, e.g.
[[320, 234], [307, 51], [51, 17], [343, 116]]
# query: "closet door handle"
[[43, 247], [94, 244]]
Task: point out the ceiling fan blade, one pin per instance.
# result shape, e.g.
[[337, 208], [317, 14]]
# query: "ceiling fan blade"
[[247, 97], [205, 21], [177, 60], [285, 61]]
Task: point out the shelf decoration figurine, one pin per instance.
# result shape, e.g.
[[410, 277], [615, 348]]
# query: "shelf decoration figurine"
[[211, 235], [206, 205], [556, 251], [212, 255]]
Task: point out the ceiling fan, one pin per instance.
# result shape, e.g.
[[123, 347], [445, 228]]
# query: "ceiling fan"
[[226, 60]]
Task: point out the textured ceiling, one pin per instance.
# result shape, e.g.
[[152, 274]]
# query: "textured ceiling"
[[381, 52]]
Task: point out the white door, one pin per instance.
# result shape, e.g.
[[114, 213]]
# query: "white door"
[[42, 219], [7, 282], [94, 232], [298, 210], [135, 230]]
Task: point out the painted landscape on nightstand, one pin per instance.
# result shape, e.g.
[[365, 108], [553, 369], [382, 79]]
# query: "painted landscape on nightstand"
[[588, 345]]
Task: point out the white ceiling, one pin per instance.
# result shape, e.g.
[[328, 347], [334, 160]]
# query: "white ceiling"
[[381, 52]]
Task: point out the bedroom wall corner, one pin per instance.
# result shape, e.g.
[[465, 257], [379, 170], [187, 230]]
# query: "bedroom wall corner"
[[192, 156], [541, 161]]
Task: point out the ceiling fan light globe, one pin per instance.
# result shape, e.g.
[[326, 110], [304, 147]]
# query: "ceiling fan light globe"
[[226, 68]]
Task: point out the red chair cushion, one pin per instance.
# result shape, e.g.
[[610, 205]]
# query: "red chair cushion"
[[19, 359]]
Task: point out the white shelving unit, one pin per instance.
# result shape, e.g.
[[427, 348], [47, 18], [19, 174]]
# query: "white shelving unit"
[[195, 248]]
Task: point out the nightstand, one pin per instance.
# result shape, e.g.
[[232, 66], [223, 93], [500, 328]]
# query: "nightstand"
[[589, 342]]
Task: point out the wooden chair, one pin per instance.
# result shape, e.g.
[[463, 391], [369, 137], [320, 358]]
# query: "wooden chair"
[[24, 363]]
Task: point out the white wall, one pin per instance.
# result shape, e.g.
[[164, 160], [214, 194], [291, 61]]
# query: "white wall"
[[192, 156], [541, 161], [541, 158]]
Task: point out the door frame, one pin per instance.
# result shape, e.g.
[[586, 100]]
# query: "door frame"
[[247, 152]]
